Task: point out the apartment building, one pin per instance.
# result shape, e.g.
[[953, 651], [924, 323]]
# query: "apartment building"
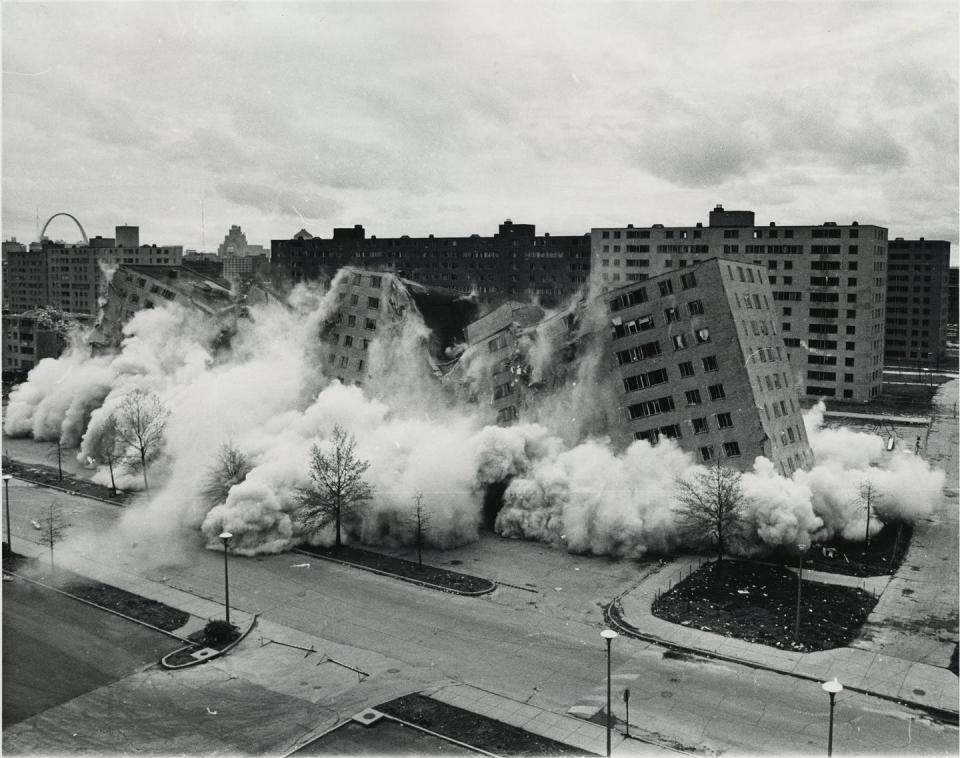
[[828, 282], [133, 288], [372, 304], [515, 263], [918, 301], [31, 336], [694, 355], [71, 277]]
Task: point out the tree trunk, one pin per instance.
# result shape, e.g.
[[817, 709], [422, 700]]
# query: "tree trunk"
[[113, 484], [338, 542], [59, 463], [143, 465]]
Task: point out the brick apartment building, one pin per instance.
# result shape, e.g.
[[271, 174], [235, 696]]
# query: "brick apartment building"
[[918, 302], [70, 277], [828, 284], [694, 355], [513, 264]]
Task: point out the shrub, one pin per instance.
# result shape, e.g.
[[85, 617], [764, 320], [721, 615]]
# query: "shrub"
[[219, 631]]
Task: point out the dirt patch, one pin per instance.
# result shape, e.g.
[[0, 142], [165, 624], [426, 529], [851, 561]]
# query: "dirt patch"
[[882, 557], [758, 603], [474, 729], [49, 476], [450, 580]]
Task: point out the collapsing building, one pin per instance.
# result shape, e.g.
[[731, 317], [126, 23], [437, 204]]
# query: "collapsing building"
[[692, 355]]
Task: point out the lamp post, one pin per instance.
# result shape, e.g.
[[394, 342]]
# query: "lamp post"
[[832, 688], [6, 502], [609, 635], [225, 538], [796, 628]]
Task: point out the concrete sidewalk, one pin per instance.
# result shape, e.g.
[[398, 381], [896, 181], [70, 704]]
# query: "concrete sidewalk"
[[861, 670], [569, 730]]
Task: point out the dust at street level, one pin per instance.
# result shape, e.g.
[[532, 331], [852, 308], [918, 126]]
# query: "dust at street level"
[[544, 653]]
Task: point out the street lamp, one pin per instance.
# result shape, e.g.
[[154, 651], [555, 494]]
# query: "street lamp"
[[225, 538], [796, 629], [832, 688], [6, 502], [609, 635]]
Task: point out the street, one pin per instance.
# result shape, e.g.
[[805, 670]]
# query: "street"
[[506, 642]]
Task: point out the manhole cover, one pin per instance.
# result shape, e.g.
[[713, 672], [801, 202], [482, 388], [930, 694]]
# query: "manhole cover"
[[919, 692], [666, 693]]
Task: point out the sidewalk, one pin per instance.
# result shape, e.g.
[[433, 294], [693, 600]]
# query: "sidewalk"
[[572, 731], [860, 670]]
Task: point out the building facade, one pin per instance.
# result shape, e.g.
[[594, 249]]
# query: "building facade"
[[918, 301], [133, 288], [515, 263], [828, 283], [71, 278], [30, 337]]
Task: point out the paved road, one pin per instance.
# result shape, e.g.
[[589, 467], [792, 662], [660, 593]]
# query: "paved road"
[[543, 653], [55, 648]]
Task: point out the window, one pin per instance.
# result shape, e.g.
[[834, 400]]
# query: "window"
[[370, 324], [497, 343], [666, 287], [651, 407], [671, 431], [344, 361], [724, 420], [731, 449], [348, 341], [679, 341], [671, 315], [354, 299], [710, 363], [638, 353], [642, 381], [357, 278], [505, 415], [351, 320], [703, 336], [688, 281], [716, 392], [695, 307], [700, 426], [375, 281], [628, 299], [686, 369], [706, 453], [502, 390], [373, 303], [693, 397]]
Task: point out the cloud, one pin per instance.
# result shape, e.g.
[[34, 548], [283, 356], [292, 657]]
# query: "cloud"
[[304, 205]]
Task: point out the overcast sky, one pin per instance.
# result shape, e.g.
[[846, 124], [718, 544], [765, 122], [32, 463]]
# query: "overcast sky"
[[447, 118]]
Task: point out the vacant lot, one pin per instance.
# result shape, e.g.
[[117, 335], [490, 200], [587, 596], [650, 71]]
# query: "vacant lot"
[[56, 648]]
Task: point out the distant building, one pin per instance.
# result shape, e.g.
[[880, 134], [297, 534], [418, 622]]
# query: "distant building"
[[70, 278], [209, 264], [954, 295], [12, 246], [828, 281], [513, 264], [235, 245], [133, 288], [31, 336], [694, 355], [918, 301]]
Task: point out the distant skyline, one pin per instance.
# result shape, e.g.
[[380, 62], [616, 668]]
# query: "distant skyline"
[[448, 117]]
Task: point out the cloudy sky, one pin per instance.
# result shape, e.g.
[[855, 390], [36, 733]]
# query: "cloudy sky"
[[448, 117]]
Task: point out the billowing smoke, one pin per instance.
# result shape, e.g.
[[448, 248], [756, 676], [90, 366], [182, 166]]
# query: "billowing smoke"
[[272, 395]]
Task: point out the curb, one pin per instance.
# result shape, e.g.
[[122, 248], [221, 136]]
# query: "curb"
[[612, 615], [64, 490], [465, 593], [227, 649], [101, 607]]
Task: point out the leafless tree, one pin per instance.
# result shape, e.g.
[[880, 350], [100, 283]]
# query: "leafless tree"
[[869, 498], [337, 488], [53, 528], [420, 520], [141, 420], [106, 448], [711, 506], [230, 467], [56, 454]]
